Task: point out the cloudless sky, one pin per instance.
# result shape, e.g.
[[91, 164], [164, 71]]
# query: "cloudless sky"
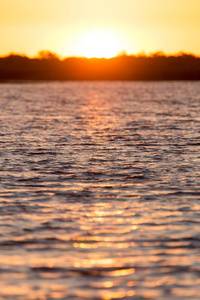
[[28, 26]]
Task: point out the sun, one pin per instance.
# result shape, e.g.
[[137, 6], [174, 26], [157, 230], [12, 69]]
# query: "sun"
[[99, 44]]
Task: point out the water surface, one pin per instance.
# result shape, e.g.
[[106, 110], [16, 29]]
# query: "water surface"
[[99, 190]]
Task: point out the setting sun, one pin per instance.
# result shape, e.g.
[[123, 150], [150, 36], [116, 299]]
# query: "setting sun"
[[98, 43], [99, 28]]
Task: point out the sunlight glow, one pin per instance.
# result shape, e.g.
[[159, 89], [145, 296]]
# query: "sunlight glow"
[[99, 44]]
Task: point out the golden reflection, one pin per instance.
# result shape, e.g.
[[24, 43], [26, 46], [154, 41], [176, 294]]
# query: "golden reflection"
[[103, 213], [131, 283], [105, 294], [184, 292], [57, 295], [99, 117], [85, 246], [123, 272], [104, 284], [19, 275], [19, 290], [97, 238], [101, 262], [108, 295], [103, 245]]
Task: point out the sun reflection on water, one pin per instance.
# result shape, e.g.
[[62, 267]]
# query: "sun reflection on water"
[[99, 191]]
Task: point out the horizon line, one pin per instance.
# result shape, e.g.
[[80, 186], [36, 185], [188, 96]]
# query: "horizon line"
[[47, 54]]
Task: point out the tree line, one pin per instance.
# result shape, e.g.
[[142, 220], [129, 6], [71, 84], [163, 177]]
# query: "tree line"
[[49, 66]]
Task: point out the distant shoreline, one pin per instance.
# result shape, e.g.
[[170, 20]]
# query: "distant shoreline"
[[157, 67]]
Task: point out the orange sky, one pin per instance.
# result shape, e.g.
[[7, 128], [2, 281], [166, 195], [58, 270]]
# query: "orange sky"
[[106, 27]]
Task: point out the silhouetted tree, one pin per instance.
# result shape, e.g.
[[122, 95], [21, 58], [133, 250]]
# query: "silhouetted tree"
[[45, 54]]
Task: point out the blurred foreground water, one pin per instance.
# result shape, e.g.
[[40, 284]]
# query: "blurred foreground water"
[[100, 190]]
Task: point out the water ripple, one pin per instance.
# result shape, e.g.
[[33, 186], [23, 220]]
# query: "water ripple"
[[99, 191]]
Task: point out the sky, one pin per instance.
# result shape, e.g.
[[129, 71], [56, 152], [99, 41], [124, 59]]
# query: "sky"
[[99, 27]]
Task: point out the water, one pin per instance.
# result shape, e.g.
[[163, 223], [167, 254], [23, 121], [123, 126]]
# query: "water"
[[99, 190]]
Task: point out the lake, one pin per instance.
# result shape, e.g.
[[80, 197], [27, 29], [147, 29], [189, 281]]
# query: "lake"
[[100, 190]]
